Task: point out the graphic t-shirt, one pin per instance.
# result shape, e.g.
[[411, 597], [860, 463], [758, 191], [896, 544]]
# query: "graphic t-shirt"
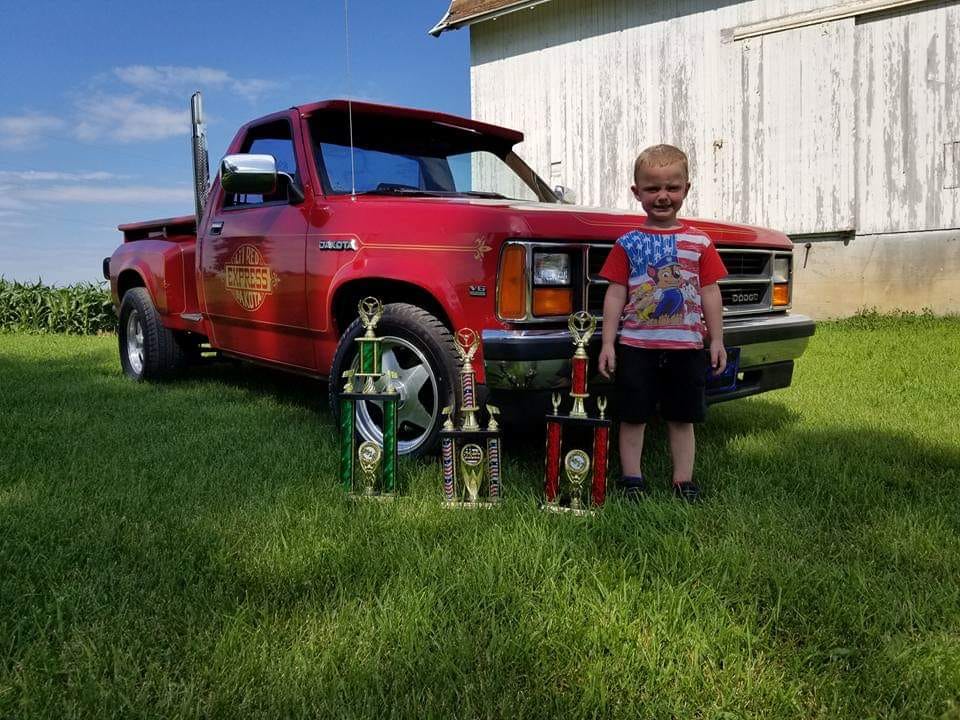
[[664, 271]]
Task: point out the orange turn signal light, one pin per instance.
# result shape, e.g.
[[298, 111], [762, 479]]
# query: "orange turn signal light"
[[552, 301], [781, 294], [512, 290]]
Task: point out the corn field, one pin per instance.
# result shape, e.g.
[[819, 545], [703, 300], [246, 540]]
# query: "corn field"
[[80, 309]]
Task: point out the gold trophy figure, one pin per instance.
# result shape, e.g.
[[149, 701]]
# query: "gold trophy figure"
[[369, 454], [555, 401], [493, 411], [602, 407], [577, 465], [348, 386], [370, 310], [471, 470]]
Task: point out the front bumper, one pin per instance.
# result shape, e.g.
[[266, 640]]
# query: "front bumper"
[[540, 359]]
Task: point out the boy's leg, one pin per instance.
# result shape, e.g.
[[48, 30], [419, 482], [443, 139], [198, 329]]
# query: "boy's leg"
[[682, 450], [683, 404], [631, 448], [637, 404]]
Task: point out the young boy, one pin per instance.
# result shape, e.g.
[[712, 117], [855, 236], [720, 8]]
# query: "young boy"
[[663, 282]]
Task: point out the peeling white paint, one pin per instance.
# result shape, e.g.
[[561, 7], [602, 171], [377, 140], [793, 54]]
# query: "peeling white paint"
[[834, 126]]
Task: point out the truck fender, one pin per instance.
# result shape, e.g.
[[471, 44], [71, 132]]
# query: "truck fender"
[[445, 303], [156, 265]]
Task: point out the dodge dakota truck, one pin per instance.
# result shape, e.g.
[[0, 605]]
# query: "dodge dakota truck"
[[320, 205]]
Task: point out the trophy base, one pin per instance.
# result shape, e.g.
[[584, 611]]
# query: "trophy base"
[[383, 497], [467, 505], [566, 510]]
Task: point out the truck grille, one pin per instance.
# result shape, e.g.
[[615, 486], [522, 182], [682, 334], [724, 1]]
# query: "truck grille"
[[746, 289], [745, 263]]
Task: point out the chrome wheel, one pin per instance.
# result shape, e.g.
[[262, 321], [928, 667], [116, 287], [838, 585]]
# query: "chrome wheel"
[[135, 342], [416, 383]]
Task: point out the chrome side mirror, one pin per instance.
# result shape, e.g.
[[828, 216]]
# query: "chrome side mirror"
[[565, 194], [246, 174]]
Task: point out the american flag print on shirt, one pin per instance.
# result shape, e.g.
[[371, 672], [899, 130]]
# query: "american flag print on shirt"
[[664, 271]]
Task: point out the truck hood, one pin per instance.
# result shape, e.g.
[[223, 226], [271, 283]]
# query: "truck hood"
[[577, 222]]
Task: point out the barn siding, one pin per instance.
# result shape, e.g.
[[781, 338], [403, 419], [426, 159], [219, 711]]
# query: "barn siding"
[[845, 126]]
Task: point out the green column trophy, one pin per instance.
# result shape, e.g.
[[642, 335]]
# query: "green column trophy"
[[470, 454], [376, 461]]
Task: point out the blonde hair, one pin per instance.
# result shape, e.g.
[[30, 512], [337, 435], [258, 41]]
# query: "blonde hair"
[[661, 156]]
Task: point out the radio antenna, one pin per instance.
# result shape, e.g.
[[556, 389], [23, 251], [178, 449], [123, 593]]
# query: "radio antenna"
[[353, 171]]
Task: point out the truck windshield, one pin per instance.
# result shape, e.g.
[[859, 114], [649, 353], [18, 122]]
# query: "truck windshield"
[[393, 156]]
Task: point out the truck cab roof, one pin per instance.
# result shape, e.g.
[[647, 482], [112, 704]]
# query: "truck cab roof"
[[363, 108]]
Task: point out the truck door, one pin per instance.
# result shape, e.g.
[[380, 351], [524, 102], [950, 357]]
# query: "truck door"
[[253, 260]]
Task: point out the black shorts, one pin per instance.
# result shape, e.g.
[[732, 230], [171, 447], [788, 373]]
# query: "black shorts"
[[669, 382]]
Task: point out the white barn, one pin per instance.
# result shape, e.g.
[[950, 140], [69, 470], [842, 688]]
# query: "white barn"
[[838, 123]]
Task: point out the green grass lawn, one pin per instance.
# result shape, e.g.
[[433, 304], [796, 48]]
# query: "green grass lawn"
[[183, 550]]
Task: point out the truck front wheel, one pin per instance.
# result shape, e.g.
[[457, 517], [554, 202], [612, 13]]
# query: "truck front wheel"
[[148, 350], [419, 349]]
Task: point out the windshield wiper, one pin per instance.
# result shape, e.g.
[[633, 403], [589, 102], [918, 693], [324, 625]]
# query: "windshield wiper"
[[482, 194], [396, 191], [414, 192]]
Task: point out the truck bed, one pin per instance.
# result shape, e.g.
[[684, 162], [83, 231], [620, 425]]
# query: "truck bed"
[[178, 229]]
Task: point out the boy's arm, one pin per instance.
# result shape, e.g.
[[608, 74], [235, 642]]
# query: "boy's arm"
[[613, 303], [713, 314]]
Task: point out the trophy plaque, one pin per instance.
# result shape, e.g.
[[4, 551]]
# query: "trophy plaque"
[[368, 469], [470, 454], [577, 463]]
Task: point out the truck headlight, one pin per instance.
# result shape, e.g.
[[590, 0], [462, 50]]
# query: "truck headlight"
[[552, 291], [551, 269], [781, 269], [781, 280]]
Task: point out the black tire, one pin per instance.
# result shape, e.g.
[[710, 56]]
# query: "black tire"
[[148, 350], [415, 339]]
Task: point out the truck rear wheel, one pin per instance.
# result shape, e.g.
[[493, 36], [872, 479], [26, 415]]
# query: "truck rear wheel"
[[148, 350], [419, 348]]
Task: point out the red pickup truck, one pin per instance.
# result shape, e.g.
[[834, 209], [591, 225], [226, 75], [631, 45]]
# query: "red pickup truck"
[[318, 206]]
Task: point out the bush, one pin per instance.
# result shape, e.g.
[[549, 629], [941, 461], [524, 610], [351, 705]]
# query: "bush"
[[80, 309]]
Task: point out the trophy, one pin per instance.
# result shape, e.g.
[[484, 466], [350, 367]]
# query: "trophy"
[[577, 464], [470, 454], [377, 462]]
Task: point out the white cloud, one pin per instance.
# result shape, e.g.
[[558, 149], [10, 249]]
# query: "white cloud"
[[93, 194], [55, 176], [252, 88], [21, 131], [170, 77], [8, 199], [125, 119], [180, 79]]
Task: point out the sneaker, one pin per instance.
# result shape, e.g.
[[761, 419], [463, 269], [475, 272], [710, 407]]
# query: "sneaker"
[[688, 491], [633, 487]]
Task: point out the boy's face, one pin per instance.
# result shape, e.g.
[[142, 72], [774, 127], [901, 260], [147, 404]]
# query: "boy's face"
[[661, 192]]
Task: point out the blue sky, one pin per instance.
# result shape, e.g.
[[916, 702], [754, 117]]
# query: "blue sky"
[[94, 120]]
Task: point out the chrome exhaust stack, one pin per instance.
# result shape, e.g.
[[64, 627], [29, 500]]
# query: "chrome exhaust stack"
[[201, 162]]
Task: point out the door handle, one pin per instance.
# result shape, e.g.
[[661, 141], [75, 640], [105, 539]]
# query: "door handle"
[[216, 228]]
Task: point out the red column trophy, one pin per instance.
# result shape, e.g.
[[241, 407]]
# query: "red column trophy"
[[577, 464], [470, 455]]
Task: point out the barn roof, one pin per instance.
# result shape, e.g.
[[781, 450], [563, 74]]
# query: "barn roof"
[[466, 12]]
